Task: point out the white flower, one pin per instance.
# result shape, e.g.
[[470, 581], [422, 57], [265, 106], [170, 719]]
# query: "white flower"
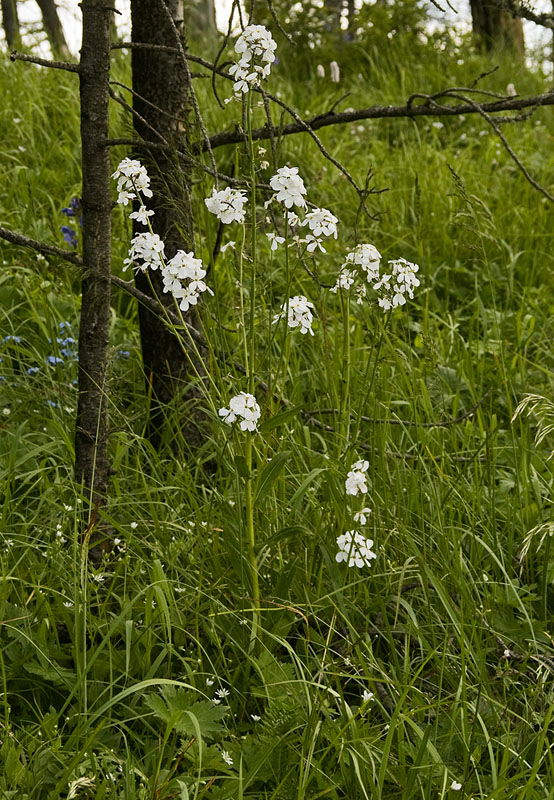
[[220, 695], [455, 786], [141, 215], [131, 177], [298, 313], [321, 222], [275, 240], [356, 480], [256, 48], [320, 69], [362, 516], [312, 243], [367, 258], [242, 405], [227, 204], [289, 187], [148, 248], [394, 288], [334, 72], [355, 548], [255, 717], [344, 280], [183, 277], [225, 247], [367, 695], [227, 758]]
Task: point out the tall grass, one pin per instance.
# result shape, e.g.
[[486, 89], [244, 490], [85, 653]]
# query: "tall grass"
[[109, 670]]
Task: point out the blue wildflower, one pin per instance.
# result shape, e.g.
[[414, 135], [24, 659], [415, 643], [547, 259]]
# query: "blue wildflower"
[[69, 235], [123, 353], [14, 339], [53, 360], [33, 370]]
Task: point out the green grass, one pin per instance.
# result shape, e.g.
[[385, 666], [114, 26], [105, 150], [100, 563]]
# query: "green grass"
[[108, 671]]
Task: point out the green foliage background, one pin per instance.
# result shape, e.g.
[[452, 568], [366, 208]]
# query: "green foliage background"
[[108, 671]]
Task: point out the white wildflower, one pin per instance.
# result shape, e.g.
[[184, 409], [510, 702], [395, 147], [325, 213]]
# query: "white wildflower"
[[131, 178], [256, 48], [367, 696], [334, 72], [142, 215], [455, 786], [227, 204], [225, 247], [344, 280], [362, 516], [367, 258], [148, 248], [298, 313], [183, 277], [242, 405], [275, 240], [289, 187], [227, 758], [356, 480], [355, 549], [321, 222], [320, 70]]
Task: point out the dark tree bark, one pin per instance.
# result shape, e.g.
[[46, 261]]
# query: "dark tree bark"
[[496, 29], [160, 78], [54, 29], [91, 435], [10, 23]]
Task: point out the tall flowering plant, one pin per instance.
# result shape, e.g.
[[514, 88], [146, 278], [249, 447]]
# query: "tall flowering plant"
[[303, 230]]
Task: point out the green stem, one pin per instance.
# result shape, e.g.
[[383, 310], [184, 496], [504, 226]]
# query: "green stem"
[[251, 541]]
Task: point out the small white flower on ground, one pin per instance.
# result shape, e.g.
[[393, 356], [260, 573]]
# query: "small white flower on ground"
[[220, 695], [255, 717], [227, 205], [334, 71], [394, 288], [134, 525], [320, 71], [275, 240], [362, 516], [455, 786], [242, 405], [298, 313], [344, 280], [356, 480], [227, 758], [367, 696], [147, 248], [355, 549], [225, 247], [288, 187]]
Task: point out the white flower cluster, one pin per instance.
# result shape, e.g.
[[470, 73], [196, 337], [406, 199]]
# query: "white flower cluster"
[[183, 274], [356, 480], [242, 405], [256, 48], [288, 187], [183, 277], [355, 549], [227, 205], [321, 223], [131, 178], [391, 289], [298, 313], [394, 288], [147, 248]]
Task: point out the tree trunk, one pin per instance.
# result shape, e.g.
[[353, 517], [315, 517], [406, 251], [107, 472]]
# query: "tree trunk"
[[53, 28], [10, 23], [496, 29], [160, 78], [91, 435]]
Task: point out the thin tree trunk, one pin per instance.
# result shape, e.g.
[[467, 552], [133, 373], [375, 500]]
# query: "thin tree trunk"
[[54, 29], [10, 23], [497, 29], [159, 78], [91, 435]]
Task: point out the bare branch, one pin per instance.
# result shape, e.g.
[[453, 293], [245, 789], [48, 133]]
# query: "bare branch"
[[389, 112], [44, 62]]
